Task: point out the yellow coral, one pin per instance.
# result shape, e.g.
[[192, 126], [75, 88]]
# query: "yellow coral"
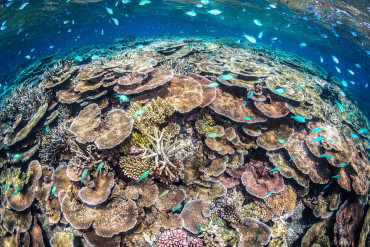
[[14, 177], [155, 114], [136, 139], [279, 230], [135, 166], [251, 210]]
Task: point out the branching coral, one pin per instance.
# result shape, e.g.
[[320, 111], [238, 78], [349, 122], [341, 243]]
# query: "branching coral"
[[134, 141], [163, 151]]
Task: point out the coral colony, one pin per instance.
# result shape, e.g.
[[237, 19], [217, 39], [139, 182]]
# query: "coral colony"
[[183, 143]]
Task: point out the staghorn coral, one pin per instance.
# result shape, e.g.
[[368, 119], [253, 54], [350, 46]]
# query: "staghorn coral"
[[155, 113], [163, 151], [61, 72]]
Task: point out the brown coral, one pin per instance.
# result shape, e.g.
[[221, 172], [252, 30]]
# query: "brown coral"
[[209, 93], [249, 228], [100, 192], [196, 213]]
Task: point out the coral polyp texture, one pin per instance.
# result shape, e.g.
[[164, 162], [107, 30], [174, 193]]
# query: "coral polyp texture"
[[183, 143]]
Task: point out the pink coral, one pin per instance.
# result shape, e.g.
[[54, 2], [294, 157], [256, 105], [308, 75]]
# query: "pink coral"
[[177, 238]]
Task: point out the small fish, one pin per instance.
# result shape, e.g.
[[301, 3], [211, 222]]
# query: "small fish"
[[139, 112], [255, 241], [126, 1], [358, 65], [218, 220], [118, 198], [336, 176], [16, 191], [78, 58], [342, 164], [66, 22], [215, 12], [191, 13], [143, 176], [321, 59], [28, 57], [324, 36], [226, 77], [291, 159], [102, 32], [315, 129], [205, 2], [328, 157], [199, 5], [260, 35], [212, 135], [281, 140], [47, 128], [274, 38], [302, 45], [245, 102], [250, 95], [115, 21], [269, 193], [143, 2], [200, 229], [344, 83], [323, 155], [176, 208], [152, 244], [330, 140], [257, 22], [109, 10], [53, 190], [349, 116], [16, 156], [100, 166], [362, 131], [354, 135], [299, 119], [273, 6], [339, 106], [342, 93], [351, 72], [164, 193], [279, 90], [6, 186], [139, 46], [23, 5], [335, 59], [84, 173], [317, 139], [274, 169], [250, 38], [327, 186], [338, 69], [247, 118], [213, 84]]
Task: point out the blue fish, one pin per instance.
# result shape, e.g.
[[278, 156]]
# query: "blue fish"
[[214, 223], [213, 84], [16, 156], [47, 128], [143, 176], [342, 164], [279, 90], [139, 112], [247, 118], [245, 102], [164, 193], [250, 95], [349, 116], [53, 190], [200, 229], [16, 191], [269, 193], [84, 173], [6, 186], [327, 186], [212, 135], [323, 155], [336, 176], [274, 169], [226, 77], [176, 208], [339, 106], [291, 159], [354, 135], [122, 98], [362, 131], [281, 140], [299, 119], [317, 139], [100, 166], [328, 157], [330, 140], [315, 129]]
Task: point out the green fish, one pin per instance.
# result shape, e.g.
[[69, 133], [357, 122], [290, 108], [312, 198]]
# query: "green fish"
[[6, 186], [213, 84], [291, 159], [122, 98], [274, 169], [336, 176], [342, 164], [200, 229], [214, 223], [323, 155], [143, 176], [245, 102], [299, 119], [315, 129], [281, 140], [16, 191], [84, 173], [250, 95], [362, 131], [118, 198], [349, 116], [247, 118], [317, 139], [150, 62], [152, 244], [329, 157], [99, 167], [269, 193], [339, 106], [139, 112], [16, 156], [176, 208], [139, 46], [212, 135], [226, 77], [330, 140], [255, 241], [53, 190], [279, 90], [164, 193], [47, 128]]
